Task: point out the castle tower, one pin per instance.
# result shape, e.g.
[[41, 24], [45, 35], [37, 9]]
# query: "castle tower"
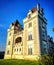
[[14, 28], [10, 42], [35, 34]]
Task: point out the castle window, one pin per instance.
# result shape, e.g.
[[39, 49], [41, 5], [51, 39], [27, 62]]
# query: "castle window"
[[14, 49], [45, 51], [30, 37], [44, 47], [17, 49], [20, 49], [43, 24], [8, 52], [9, 43], [29, 50], [43, 34], [30, 24]]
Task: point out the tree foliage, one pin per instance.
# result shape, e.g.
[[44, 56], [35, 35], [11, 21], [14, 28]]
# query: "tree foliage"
[[46, 60]]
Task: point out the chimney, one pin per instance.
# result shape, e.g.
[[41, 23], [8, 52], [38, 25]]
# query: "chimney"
[[38, 7]]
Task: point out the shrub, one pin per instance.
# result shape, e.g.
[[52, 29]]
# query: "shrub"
[[46, 60]]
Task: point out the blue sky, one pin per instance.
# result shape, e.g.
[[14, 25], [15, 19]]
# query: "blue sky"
[[10, 10]]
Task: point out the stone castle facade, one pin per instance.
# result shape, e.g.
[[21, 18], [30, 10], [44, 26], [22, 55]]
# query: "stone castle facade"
[[31, 41]]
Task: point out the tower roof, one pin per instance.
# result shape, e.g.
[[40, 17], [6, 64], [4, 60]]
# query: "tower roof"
[[33, 10], [16, 23]]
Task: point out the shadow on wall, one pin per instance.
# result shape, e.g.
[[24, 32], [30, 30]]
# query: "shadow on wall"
[[2, 55]]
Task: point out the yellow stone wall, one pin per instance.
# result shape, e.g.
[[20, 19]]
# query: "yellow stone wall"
[[9, 47], [35, 34], [35, 41]]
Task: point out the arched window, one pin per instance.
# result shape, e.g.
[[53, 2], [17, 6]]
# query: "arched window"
[[20, 49], [17, 49], [19, 39]]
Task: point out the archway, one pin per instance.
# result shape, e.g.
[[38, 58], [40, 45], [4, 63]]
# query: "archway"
[[19, 39]]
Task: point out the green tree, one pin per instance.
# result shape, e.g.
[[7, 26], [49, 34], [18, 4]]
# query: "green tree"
[[46, 60]]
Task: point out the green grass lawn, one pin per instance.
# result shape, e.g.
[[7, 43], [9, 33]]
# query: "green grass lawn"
[[18, 62]]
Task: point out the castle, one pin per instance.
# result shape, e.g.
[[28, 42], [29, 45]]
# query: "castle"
[[31, 41]]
